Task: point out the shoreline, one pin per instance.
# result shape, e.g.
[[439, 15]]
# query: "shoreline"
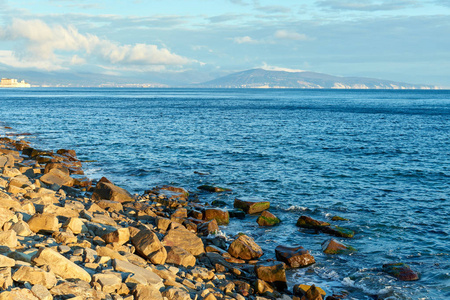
[[158, 244]]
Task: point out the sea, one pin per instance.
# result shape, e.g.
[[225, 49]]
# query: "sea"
[[379, 158]]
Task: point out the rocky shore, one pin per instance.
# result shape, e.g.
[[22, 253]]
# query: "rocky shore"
[[63, 236]]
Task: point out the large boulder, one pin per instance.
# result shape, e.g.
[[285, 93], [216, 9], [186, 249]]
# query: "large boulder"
[[148, 245], [108, 191], [273, 273], [183, 238], [309, 292], [57, 176], [221, 216], [35, 276], [120, 236], [127, 267], [310, 223], [180, 257], [60, 265], [244, 247], [294, 257], [8, 239], [251, 205]]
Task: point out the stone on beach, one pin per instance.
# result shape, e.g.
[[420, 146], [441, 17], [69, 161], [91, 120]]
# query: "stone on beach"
[[221, 216], [150, 276], [273, 273], [108, 191], [401, 271], [244, 247], [149, 246], [309, 292], [43, 223], [60, 265], [294, 257], [35, 276], [183, 238], [180, 257], [251, 205]]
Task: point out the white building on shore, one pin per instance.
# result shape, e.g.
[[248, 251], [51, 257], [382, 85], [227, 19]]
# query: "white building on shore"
[[13, 83]]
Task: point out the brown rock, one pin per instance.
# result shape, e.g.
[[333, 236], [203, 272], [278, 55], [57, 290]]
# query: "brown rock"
[[8, 239], [41, 292], [127, 267], [334, 247], [267, 219], [76, 225], [108, 282], [144, 292], [221, 216], [308, 222], [109, 191], [5, 214], [120, 236], [148, 245], [244, 247], [294, 257], [180, 257], [175, 293], [5, 278], [79, 290], [57, 176], [43, 223], [401, 271], [64, 237], [110, 205], [183, 238], [6, 262], [251, 205], [273, 273], [35, 276], [206, 228], [60, 265], [307, 292]]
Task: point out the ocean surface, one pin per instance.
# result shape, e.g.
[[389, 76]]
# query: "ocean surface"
[[378, 158]]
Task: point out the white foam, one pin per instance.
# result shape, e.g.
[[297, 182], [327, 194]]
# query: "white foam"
[[296, 208]]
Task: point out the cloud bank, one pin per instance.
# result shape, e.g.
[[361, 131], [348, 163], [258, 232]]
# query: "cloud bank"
[[57, 47]]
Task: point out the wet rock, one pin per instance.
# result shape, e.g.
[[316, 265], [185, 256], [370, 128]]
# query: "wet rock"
[[148, 245], [183, 238], [237, 213], [150, 276], [294, 257], [213, 189], [306, 292], [60, 265], [265, 289], [273, 273], [207, 228], [109, 191], [35, 276], [308, 222], [334, 247], [221, 216], [401, 271], [267, 219], [251, 205], [244, 247], [337, 218], [43, 223], [180, 257], [339, 231]]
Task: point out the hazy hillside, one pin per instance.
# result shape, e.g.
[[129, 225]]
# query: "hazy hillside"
[[260, 78]]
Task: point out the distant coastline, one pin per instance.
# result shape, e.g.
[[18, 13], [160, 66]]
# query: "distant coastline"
[[13, 83]]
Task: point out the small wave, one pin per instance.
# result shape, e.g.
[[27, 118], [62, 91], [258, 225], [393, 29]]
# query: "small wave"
[[297, 208], [367, 290]]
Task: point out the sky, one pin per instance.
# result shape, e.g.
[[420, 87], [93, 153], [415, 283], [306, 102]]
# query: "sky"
[[197, 40]]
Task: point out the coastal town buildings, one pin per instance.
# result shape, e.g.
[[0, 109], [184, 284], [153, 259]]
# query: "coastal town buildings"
[[13, 83]]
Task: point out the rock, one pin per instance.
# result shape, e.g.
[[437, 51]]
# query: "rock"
[[334, 247], [43, 223], [339, 231], [143, 292], [263, 288], [57, 176], [152, 278], [60, 265], [183, 238], [337, 218], [308, 222], [35, 276], [41, 292], [163, 223], [5, 278], [108, 252], [8, 239], [267, 219], [148, 246], [180, 257], [79, 290], [120, 236], [244, 247], [401, 271], [64, 237], [18, 293], [110, 205], [76, 225], [294, 257], [109, 191], [5, 214], [6, 262], [237, 213], [221, 216], [307, 292], [251, 205], [22, 228], [174, 293], [109, 282], [207, 228], [213, 189], [6, 160], [272, 272]]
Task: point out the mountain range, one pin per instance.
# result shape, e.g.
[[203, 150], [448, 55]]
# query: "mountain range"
[[261, 78]]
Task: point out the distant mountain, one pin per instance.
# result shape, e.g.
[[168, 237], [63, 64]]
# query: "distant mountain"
[[260, 78]]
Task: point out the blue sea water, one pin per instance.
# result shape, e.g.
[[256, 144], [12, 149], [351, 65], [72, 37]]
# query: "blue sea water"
[[378, 158]]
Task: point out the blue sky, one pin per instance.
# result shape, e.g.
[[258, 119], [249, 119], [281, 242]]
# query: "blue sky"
[[196, 40]]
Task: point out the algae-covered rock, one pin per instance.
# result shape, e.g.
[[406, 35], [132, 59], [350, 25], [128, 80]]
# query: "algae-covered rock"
[[332, 246], [251, 205], [308, 222], [213, 189], [221, 216], [401, 271], [294, 257], [267, 219]]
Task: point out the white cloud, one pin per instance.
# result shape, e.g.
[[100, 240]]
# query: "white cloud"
[[8, 58], [56, 44], [290, 35], [245, 40], [274, 68]]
